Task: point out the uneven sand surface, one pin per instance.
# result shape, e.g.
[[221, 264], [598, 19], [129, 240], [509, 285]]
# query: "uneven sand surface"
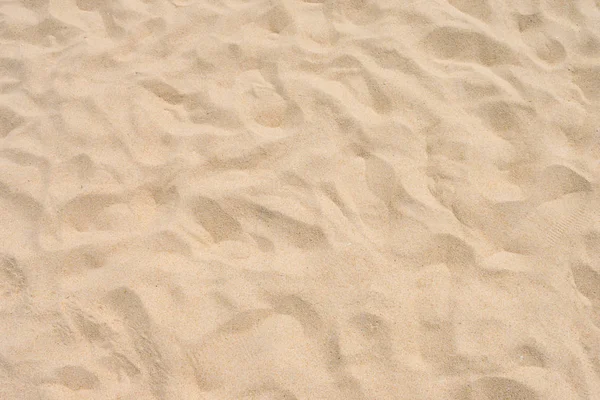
[[300, 200]]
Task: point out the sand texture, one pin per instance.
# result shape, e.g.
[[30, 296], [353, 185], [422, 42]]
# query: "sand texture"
[[300, 200]]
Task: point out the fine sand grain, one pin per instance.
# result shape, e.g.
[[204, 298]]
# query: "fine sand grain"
[[300, 200]]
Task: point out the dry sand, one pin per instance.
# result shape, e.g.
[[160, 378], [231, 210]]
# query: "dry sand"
[[310, 200]]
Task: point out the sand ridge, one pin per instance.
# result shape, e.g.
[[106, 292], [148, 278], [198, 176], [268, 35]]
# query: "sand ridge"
[[287, 199]]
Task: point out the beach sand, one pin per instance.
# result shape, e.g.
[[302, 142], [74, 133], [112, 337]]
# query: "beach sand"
[[300, 200]]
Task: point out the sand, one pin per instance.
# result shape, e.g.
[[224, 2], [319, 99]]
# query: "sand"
[[300, 200]]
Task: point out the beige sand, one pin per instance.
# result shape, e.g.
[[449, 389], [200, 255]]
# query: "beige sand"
[[310, 200]]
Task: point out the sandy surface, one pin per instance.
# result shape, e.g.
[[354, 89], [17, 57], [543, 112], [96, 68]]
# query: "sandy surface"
[[310, 200]]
